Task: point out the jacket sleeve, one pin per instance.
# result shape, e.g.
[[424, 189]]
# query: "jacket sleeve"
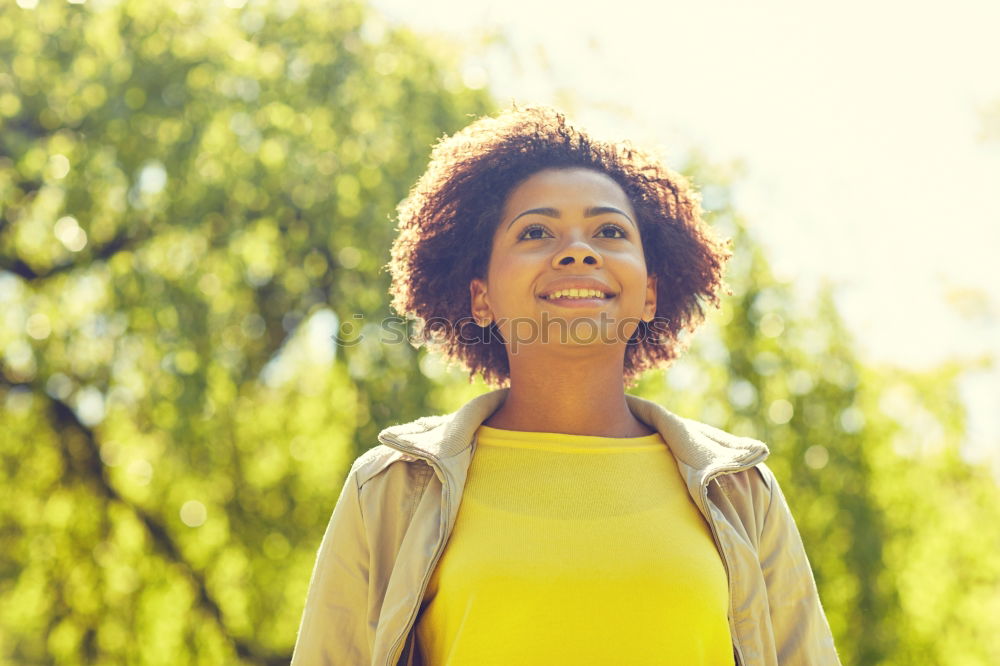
[[333, 628], [801, 632]]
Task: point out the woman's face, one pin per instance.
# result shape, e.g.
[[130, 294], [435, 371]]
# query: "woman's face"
[[566, 265]]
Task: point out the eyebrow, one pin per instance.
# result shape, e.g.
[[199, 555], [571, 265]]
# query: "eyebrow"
[[593, 211]]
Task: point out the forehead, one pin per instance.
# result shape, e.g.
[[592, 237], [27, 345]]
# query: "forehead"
[[566, 189]]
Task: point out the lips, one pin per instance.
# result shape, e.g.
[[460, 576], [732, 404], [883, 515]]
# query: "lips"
[[570, 289]]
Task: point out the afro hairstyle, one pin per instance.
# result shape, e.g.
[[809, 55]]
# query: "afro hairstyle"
[[447, 222]]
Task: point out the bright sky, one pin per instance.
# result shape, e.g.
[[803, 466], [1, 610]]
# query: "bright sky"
[[859, 124]]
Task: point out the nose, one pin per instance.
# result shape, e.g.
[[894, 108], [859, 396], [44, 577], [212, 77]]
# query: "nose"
[[577, 252]]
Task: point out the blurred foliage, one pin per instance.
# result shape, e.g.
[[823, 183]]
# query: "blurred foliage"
[[195, 197], [192, 194]]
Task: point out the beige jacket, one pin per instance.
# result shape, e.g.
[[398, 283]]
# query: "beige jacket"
[[400, 501]]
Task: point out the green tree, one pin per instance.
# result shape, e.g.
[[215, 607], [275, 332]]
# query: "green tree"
[[194, 198]]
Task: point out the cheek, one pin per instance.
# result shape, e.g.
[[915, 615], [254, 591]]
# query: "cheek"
[[509, 270], [632, 267], [636, 279], [505, 287]]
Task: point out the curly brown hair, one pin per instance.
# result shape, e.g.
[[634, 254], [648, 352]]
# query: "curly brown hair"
[[447, 222]]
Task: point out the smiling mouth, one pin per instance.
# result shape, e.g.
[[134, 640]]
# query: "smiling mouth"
[[578, 295]]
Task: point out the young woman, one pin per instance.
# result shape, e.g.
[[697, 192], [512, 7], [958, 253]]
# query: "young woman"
[[558, 519]]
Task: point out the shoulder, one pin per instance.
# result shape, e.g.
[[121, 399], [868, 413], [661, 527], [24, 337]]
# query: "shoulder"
[[758, 478], [727, 439], [374, 462], [752, 489], [767, 476]]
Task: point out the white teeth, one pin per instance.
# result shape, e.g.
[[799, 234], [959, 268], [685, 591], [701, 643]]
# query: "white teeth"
[[576, 293]]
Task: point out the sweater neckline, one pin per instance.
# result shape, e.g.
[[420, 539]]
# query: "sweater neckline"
[[447, 439], [556, 440]]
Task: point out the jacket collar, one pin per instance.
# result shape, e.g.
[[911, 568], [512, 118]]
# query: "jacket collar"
[[701, 447]]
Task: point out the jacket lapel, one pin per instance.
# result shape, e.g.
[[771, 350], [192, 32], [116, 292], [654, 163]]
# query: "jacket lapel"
[[701, 450]]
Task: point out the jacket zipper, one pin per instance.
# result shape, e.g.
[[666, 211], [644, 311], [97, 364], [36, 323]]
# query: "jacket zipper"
[[396, 649], [741, 661]]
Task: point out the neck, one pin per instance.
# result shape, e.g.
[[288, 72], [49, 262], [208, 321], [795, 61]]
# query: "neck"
[[565, 395]]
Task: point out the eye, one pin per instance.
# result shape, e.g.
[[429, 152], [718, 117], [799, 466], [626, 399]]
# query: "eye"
[[529, 232], [614, 228]]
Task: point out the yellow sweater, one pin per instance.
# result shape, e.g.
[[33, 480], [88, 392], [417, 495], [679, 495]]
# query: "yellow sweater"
[[573, 549]]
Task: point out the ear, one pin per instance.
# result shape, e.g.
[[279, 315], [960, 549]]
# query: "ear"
[[649, 308], [480, 306]]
